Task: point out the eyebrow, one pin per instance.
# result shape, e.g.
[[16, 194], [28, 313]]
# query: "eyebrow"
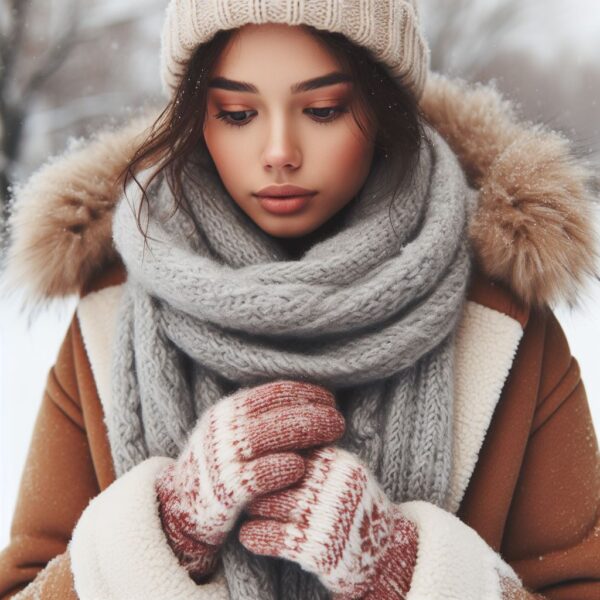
[[304, 86]]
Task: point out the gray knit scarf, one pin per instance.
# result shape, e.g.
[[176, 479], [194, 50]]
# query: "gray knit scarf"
[[214, 303]]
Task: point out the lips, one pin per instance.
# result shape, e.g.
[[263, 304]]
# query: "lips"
[[284, 191], [284, 205]]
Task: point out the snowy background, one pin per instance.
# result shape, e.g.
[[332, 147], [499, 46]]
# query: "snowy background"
[[69, 66]]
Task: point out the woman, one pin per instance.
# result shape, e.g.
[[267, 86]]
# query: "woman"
[[318, 360]]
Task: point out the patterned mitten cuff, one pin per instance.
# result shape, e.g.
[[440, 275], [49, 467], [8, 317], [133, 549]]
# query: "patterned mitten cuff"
[[199, 558], [337, 523], [397, 564]]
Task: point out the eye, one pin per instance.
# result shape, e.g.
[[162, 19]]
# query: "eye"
[[237, 118], [327, 114]]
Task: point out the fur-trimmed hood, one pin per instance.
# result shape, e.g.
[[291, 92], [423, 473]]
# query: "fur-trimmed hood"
[[533, 229]]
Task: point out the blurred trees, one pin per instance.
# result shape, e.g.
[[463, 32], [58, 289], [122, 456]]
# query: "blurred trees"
[[483, 40], [65, 67], [466, 35], [20, 82]]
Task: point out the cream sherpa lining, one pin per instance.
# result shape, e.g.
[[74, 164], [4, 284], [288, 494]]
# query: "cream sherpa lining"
[[97, 315], [453, 561], [486, 345], [119, 550], [533, 229]]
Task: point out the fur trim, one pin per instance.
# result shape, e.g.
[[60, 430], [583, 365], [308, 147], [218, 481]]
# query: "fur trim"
[[533, 228], [61, 221]]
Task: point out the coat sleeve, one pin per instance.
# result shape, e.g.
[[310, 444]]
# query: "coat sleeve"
[[70, 541], [57, 483], [552, 533], [550, 548]]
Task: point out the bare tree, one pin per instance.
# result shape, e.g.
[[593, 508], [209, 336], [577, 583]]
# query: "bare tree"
[[19, 88], [478, 40], [66, 65], [464, 35]]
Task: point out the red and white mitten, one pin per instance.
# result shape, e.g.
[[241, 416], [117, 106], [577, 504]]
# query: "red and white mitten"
[[337, 523], [240, 449]]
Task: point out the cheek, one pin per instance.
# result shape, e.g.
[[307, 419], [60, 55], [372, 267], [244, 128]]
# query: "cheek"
[[354, 154], [346, 157], [224, 152]]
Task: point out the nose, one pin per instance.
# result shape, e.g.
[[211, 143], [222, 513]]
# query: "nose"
[[281, 149]]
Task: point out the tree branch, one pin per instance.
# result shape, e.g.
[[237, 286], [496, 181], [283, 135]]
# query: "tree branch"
[[11, 44], [57, 56]]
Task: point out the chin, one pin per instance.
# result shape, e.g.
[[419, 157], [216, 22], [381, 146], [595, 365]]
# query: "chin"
[[294, 227]]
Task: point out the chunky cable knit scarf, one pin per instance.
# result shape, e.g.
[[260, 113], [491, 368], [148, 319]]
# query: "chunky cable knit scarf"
[[369, 312]]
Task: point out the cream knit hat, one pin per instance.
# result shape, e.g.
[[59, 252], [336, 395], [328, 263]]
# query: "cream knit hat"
[[388, 28]]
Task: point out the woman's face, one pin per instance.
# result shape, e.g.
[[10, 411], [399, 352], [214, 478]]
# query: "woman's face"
[[272, 131]]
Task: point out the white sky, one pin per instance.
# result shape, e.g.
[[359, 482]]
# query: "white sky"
[[26, 355], [549, 25], [575, 22]]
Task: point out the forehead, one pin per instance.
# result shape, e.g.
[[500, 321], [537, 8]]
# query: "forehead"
[[274, 52]]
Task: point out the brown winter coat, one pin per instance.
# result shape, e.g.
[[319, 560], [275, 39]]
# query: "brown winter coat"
[[534, 492]]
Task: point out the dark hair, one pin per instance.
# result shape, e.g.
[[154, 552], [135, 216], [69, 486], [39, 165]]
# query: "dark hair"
[[383, 105]]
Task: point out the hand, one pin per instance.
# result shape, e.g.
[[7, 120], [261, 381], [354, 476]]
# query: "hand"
[[240, 449], [338, 524]]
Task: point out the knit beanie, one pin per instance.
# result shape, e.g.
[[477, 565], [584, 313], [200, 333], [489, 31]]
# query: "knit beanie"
[[388, 28]]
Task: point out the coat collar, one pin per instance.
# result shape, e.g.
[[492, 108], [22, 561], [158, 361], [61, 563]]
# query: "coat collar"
[[532, 230]]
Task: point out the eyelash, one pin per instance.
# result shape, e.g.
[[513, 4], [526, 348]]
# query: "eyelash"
[[337, 112]]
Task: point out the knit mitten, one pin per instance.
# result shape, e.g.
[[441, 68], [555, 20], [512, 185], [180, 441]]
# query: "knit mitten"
[[240, 449], [337, 523]]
